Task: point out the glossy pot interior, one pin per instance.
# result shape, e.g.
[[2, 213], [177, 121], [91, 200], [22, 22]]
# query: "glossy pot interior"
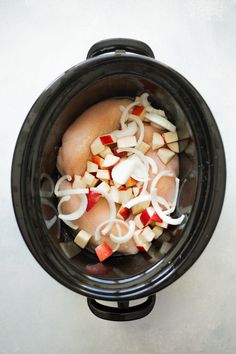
[[202, 172]]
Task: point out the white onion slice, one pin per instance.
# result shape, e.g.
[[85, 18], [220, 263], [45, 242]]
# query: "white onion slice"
[[165, 173], [69, 223], [126, 237], [172, 209], [141, 128], [62, 179], [111, 205], [159, 120], [47, 194], [153, 164], [76, 214], [138, 200], [130, 130], [72, 192], [144, 99], [124, 115], [166, 218]]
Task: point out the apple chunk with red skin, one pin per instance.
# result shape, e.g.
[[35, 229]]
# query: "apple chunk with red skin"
[[123, 213], [93, 198], [110, 161], [100, 143], [103, 251]]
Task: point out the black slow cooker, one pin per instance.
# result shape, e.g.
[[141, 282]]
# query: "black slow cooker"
[[118, 68]]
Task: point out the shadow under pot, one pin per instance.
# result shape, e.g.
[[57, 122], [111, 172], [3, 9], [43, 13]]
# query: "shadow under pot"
[[118, 68]]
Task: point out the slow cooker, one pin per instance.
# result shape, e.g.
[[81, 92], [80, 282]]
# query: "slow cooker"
[[118, 68]]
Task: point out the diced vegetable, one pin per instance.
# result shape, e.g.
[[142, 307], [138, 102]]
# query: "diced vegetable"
[[128, 141], [82, 238], [103, 251], [93, 198], [165, 155]]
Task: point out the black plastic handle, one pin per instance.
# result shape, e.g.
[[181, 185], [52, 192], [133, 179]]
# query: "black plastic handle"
[[123, 312], [115, 44]]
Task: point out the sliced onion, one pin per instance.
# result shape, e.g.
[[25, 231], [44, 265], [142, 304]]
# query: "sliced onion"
[[141, 128], [138, 200], [69, 223], [144, 99], [124, 115], [43, 193], [166, 218], [172, 209], [153, 164], [119, 234], [165, 173], [62, 179], [160, 112], [126, 237], [111, 205], [130, 130], [72, 192], [159, 120], [163, 202], [76, 214]]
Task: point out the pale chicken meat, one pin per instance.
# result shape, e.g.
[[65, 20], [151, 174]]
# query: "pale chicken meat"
[[100, 119]]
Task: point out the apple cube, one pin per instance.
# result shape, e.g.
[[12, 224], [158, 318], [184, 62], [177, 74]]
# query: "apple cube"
[[135, 191], [143, 147], [157, 141], [100, 142], [155, 217], [144, 247], [162, 224], [127, 141], [174, 147], [138, 111], [119, 154], [89, 179], [105, 152], [138, 222], [91, 167], [125, 195], [108, 139], [103, 174], [139, 208], [158, 231], [104, 186], [131, 182], [78, 182], [98, 160], [165, 155], [103, 251], [146, 216], [93, 198], [123, 213], [147, 234], [170, 137], [110, 161], [114, 193], [82, 238]]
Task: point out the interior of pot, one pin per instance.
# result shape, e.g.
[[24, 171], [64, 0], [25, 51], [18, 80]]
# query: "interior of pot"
[[59, 237]]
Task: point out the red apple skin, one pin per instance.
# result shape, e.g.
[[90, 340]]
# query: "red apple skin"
[[103, 251], [119, 154], [137, 110], [155, 217], [145, 218], [106, 139], [98, 160], [124, 212], [93, 198]]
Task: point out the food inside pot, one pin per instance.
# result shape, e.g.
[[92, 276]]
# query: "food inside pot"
[[119, 183]]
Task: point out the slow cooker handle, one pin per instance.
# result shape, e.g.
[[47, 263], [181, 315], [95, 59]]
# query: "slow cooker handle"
[[115, 44], [123, 312]]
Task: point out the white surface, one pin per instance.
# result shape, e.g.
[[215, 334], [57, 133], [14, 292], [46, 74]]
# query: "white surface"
[[39, 40]]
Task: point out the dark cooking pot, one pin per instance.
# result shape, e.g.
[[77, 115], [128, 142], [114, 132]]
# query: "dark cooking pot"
[[110, 71]]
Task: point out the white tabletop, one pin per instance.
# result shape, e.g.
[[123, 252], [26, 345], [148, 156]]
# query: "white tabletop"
[[39, 40]]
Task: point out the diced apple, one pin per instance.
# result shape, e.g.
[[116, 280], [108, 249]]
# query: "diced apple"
[[139, 241], [91, 167], [103, 251], [98, 160], [125, 195], [138, 111], [120, 154], [82, 238], [110, 161], [162, 224], [127, 141], [144, 247], [155, 217], [135, 191], [139, 208], [93, 198], [123, 213], [147, 234], [89, 179], [97, 146], [157, 141], [143, 147], [131, 182], [146, 216], [114, 193], [174, 147], [78, 182], [165, 155], [138, 222], [105, 152], [170, 137], [158, 231], [103, 174], [108, 139], [104, 186]]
